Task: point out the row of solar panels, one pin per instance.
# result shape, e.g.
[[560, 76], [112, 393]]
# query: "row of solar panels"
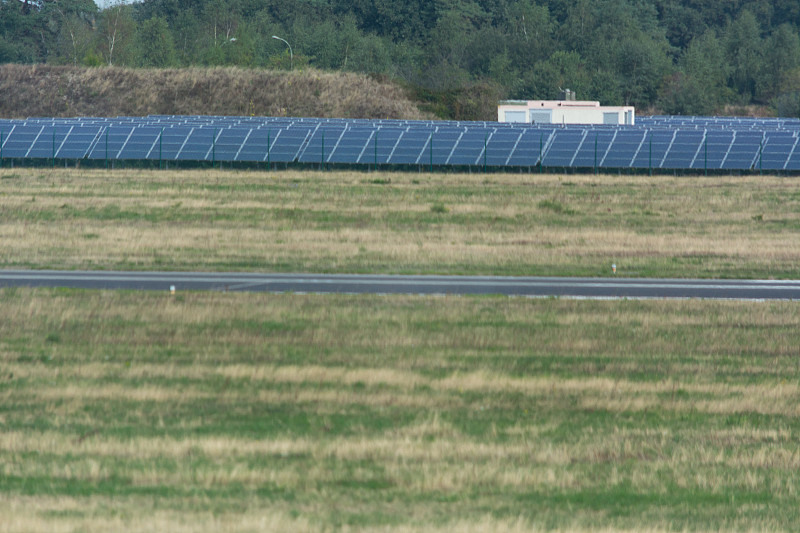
[[726, 122], [423, 143], [645, 122]]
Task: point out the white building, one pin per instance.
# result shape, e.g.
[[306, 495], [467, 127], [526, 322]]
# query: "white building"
[[563, 112]]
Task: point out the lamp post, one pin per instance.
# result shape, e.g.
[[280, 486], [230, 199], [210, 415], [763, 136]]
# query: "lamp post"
[[291, 55]]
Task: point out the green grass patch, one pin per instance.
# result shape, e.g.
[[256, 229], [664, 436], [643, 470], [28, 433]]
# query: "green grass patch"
[[555, 207], [390, 412], [505, 224]]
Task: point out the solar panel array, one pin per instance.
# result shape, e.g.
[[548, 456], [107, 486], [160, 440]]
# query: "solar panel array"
[[654, 143]]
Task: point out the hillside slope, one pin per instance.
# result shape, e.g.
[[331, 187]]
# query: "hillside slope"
[[65, 91]]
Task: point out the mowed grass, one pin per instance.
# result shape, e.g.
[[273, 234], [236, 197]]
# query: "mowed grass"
[[124, 411], [510, 224]]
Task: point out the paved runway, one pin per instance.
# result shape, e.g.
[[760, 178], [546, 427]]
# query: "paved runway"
[[385, 284]]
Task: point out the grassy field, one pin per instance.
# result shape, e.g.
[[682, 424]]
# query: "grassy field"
[[511, 224], [141, 412], [252, 412], [118, 91]]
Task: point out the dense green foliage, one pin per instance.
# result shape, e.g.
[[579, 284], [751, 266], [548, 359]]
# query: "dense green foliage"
[[675, 56]]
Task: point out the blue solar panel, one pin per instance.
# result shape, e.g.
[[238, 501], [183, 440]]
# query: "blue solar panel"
[[501, 146], [321, 144], [254, 147], [776, 150], [229, 142], [528, 149], [684, 149], [469, 150], [286, 144], [350, 146], [47, 142], [381, 146], [20, 140], [654, 148], [793, 162], [744, 150], [198, 145], [78, 142], [624, 147], [655, 142], [714, 150], [411, 147], [444, 143], [563, 148], [170, 142], [593, 149], [110, 142]]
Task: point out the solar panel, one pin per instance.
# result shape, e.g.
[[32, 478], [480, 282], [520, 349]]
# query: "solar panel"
[[501, 146], [793, 161], [714, 150], [684, 149], [229, 142], [593, 149], [350, 146], [20, 140], [78, 142], [410, 147], [255, 146], [653, 149], [564, 147], [777, 148], [381, 146], [321, 144], [286, 144], [744, 150], [529, 148], [469, 150], [623, 149], [198, 145], [655, 142], [110, 142]]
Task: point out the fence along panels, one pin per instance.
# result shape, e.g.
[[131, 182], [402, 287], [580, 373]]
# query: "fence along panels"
[[710, 143]]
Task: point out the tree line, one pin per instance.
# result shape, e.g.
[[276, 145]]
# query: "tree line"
[[672, 56]]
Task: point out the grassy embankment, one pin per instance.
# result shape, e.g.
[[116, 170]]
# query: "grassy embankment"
[[66, 91], [242, 412], [510, 224]]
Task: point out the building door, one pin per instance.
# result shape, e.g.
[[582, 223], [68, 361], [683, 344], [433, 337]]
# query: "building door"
[[610, 118], [541, 116], [515, 116], [629, 118]]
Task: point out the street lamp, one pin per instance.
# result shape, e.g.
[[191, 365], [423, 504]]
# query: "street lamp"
[[291, 55]]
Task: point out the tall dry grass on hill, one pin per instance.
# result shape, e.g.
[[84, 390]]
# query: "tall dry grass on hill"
[[65, 91]]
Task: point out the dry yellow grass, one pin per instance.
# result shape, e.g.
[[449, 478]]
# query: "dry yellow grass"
[[115, 91], [249, 412], [339, 221], [234, 412], [253, 520]]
